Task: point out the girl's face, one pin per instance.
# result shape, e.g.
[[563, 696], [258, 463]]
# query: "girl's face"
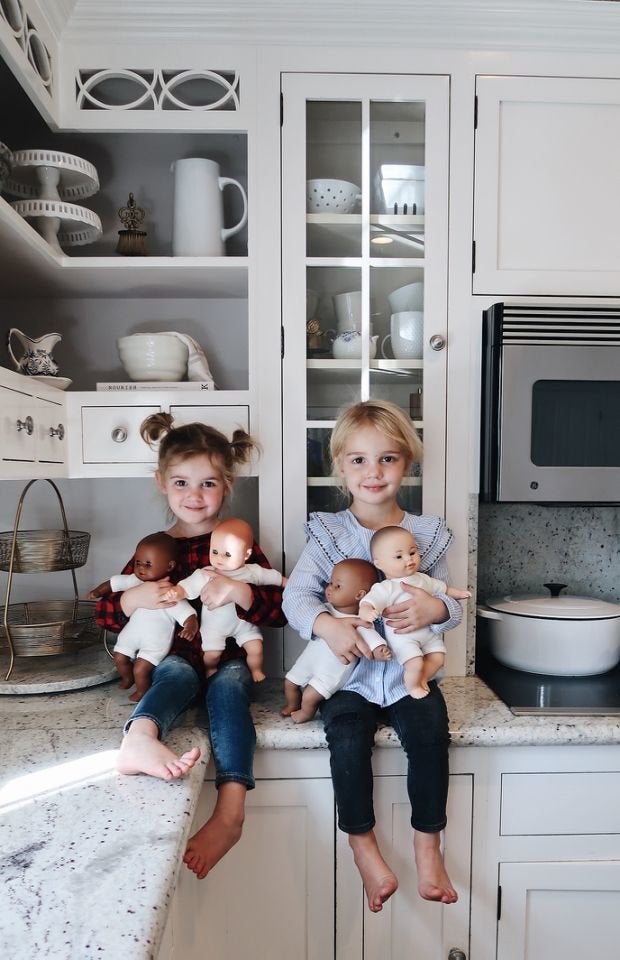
[[372, 467], [195, 490]]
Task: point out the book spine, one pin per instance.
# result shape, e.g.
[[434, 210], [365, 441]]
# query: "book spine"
[[190, 385]]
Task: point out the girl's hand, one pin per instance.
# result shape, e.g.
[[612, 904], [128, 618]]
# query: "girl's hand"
[[341, 636], [418, 612], [221, 590], [148, 595]]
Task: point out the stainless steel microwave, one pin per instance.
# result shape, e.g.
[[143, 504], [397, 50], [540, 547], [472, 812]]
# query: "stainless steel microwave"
[[550, 404]]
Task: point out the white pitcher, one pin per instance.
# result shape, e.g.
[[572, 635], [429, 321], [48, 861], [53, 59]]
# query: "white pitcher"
[[198, 215]]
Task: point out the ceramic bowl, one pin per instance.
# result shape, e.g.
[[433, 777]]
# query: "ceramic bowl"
[[331, 196], [153, 356], [409, 297]]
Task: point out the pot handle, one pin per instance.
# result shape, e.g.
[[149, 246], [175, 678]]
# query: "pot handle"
[[487, 614]]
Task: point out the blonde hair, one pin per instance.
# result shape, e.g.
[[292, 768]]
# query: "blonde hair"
[[195, 439], [387, 418]]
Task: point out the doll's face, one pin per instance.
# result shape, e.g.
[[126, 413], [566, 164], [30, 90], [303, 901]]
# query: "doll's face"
[[152, 562], [345, 588], [229, 549], [397, 554]]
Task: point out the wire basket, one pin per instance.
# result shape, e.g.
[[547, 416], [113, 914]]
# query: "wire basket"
[[42, 551], [43, 628]]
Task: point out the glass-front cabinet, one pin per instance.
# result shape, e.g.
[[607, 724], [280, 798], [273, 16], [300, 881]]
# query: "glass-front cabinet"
[[364, 211]]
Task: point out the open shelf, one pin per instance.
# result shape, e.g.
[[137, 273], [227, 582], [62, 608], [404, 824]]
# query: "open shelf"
[[28, 262]]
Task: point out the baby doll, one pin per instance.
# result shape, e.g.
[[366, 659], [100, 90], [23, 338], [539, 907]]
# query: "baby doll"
[[231, 545], [421, 652], [147, 638], [318, 670]]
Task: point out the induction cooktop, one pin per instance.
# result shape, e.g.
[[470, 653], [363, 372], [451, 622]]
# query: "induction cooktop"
[[537, 693]]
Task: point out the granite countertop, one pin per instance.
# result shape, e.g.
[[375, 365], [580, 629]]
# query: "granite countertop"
[[90, 858]]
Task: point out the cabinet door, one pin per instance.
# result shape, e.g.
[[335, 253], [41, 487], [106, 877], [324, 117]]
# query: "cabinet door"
[[568, 910], [547, 197], [32, 435], [364, 202], [273, 894], [407, 926]]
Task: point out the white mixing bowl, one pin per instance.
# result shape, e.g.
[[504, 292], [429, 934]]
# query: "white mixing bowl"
[[153, 356], [331, 196], [409, 297]]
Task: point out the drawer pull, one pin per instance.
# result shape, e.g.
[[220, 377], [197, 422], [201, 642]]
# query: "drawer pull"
[[456, 954], [58, 431], [437, 342], [27, 425], [119, 434]]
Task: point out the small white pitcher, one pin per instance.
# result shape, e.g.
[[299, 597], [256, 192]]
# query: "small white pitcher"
[[198, 216], [36, 360]]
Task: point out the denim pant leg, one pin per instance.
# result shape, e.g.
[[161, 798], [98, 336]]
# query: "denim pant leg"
[[422, 728], [350, 725], [174, 686], [231, 729]]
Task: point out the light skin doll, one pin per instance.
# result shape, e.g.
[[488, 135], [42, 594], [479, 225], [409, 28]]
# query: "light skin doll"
[[147, 638], [422, 653], [231, 545], [318, 672]]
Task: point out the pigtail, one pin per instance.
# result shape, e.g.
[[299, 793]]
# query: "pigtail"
[[155, 428], [242, 446]]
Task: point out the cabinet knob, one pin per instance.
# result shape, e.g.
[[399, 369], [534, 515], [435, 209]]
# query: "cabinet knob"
[[456, 954], [119, 434], [58, 431], [438, 342], [27, 425]]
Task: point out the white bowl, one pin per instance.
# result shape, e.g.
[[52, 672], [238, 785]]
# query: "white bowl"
[[409, 297], [153, 356], [331, 196]]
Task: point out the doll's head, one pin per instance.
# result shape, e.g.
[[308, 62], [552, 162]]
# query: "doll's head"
[[395, 552], [351, 580], [231, 544], [155, 557]]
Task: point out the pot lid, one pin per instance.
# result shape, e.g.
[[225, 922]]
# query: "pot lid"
[[555, 608]]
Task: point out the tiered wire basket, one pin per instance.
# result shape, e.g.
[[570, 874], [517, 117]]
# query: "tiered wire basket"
[[43, 628]]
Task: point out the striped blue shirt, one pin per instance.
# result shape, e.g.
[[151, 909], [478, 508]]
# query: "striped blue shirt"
[[332, 537]]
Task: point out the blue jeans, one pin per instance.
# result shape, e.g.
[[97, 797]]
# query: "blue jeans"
[[175, 686], [422, 728]]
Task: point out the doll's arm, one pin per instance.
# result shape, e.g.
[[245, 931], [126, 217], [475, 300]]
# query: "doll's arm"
[[190, 587], [190, 628], [175, 592], [457, 594], [103, 590], [368, 611]]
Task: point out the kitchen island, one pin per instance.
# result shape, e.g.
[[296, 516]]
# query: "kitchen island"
[[90, 859]]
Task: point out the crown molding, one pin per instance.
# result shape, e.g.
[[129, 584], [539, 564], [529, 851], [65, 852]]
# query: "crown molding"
[[55, 13], [584, 25]]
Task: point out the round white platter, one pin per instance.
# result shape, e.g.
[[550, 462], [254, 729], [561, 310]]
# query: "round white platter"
[[76, 178], [61, 383]]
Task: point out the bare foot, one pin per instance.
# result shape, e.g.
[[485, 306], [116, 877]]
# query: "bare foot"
[[433, 880], [418, 693], [258, 676], [286, 710], [379, 881], [220, 833], [126, 684], [382, 653], [302, 716], [143, 753]]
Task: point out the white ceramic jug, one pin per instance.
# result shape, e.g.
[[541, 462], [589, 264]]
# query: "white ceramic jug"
[[198, 215], [36, 359]]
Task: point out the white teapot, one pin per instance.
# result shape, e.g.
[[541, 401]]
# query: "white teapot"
[[348, 346]]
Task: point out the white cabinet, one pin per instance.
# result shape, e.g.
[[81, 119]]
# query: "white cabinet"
[[569, 910], [32, 429], [407, 925], [364, 200], [547, 186]]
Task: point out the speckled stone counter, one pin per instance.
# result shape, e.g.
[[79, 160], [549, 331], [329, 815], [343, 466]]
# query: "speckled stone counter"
[[90, 858]]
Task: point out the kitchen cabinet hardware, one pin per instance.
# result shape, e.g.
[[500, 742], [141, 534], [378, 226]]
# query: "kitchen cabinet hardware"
[[58, 431], [456, 954], [27, 424], [119, 435], [437, 342]]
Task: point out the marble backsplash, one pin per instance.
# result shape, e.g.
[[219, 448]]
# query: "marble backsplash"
[[521, 546]]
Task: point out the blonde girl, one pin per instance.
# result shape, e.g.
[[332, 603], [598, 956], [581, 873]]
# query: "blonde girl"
[[373, 446], [196, 470]]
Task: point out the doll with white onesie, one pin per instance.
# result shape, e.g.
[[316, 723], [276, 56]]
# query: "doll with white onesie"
[[318, 672], [231, 545], [147, 638], [421, 652]]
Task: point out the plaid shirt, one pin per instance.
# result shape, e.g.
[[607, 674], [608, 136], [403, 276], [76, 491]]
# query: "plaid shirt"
[[266, 608]]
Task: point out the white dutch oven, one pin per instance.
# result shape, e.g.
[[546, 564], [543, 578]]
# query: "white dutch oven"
[[561, 636]]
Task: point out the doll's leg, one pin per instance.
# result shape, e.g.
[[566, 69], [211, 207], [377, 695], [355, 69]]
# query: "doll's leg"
[[311, 699], [142, 673], [292, 693], [254, 653], [413, 678], [211, 661], [124, 665], [432, 662]]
